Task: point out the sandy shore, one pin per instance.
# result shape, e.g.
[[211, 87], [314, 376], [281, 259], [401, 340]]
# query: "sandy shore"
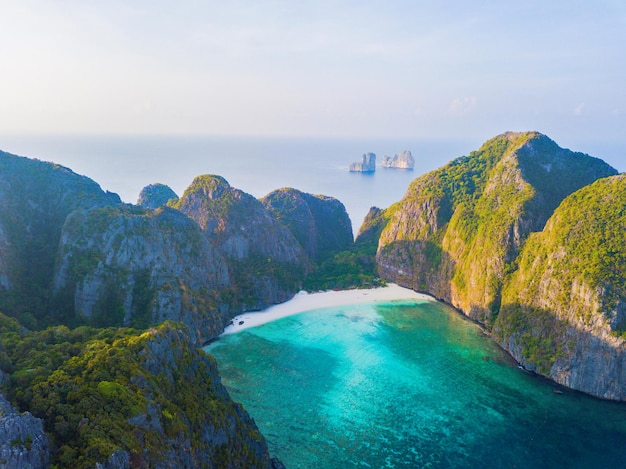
[[308, 301]]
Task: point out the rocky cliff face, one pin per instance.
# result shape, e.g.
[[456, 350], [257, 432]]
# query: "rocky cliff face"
[[129, 266], [366, 165], [458, 230], [266, 264], [563, 311], [155, 195], [36, 199], [319, 223], [213, 431], [402, 160], [119, 398], [72, 254], [23, 443]]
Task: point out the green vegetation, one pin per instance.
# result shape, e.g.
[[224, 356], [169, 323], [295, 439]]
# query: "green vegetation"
[[540, 334], [354, 267], [256, 273], [351, 268], [102, 390], [582, 252], [458, 231]]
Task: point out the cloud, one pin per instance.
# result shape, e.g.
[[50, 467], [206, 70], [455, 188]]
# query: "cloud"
[[578, 111], [462, 106]]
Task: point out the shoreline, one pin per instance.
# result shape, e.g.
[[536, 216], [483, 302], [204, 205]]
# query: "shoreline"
[[304, 301]]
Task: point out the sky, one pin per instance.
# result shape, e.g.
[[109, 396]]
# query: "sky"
[[393, 68]]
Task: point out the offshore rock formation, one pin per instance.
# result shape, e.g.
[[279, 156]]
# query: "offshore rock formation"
[[155, 195], [403, 160], [266, 264], [458, 230], [563, 311], [366, 165], [23, 443], [129, 266], [36, 199], [319, 223], [457, 235]]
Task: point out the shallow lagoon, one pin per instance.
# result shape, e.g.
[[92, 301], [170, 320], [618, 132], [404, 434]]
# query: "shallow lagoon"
[[408, 384]]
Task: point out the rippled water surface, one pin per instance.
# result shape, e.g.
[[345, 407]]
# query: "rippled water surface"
[[406, 384]]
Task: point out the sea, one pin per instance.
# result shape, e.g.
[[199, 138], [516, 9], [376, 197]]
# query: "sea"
[[408, 384], [126, 164]]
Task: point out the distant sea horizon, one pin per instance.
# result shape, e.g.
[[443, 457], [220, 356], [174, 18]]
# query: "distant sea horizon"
[[124, 164]]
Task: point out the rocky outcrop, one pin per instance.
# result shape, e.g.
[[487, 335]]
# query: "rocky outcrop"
[[155, 195], [36, 198], [23, 443], [115, 398], [563, 311], [213, 430], [366, 165], [403, 160], [372, 226], [319, 223], [458, 230], [266, 264], [129, 266]]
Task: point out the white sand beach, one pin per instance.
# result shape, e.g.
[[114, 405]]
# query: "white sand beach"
[[304, 301]]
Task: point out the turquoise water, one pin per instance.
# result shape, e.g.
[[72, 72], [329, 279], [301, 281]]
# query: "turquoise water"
[[406, 384]]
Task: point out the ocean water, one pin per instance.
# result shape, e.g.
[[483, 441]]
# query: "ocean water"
[[408, 384]]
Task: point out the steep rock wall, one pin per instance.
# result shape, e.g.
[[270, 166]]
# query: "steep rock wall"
[[119, 398], [319, 223], [36, 198], [266, 264], [23, 443], [458, 230], [134, 267], [564, 310]]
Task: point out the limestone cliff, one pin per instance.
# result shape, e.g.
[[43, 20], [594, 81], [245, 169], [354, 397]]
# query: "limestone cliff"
[[372, 226], [319, 223], [155, 195], [120, 398], [23, 443], [266, 264], [36, 198], [129, 266], [458, 230], [402, 160], [366, 165], [563, 311]]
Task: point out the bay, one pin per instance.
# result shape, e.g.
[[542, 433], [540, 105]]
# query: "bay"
[[408, 384]]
